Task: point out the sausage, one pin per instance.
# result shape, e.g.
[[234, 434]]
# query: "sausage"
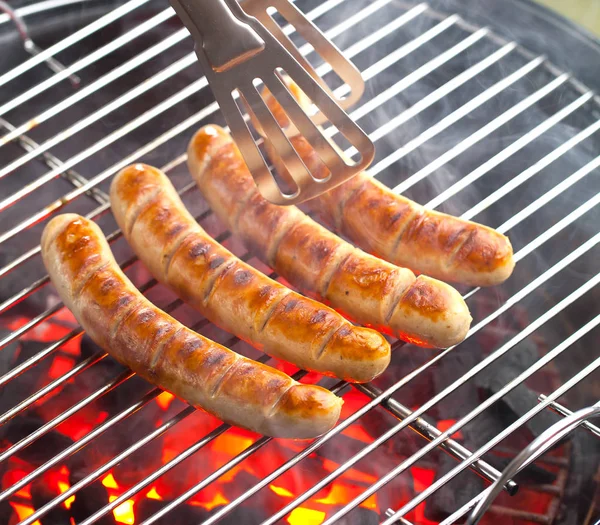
[[233, 294], [399, 230], [366, 289], [121, 320]]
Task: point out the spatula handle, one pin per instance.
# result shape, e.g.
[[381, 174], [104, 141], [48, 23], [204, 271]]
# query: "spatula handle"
[[223, 37]]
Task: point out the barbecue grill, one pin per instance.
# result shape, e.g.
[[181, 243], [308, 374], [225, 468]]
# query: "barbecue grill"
[[471, 115]]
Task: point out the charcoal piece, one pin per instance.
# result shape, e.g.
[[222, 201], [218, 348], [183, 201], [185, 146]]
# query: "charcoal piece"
[[87, 347], [8, 355], [399, 447], [359, 516], [40, 496], [532, 475], [89, 499], [454, 494], [344, 447], [521, 398], [25, 384], [243, 515], [241, 482], [404, 361], [182, 515], [487, 426], [581, 493], [6, 511], [466, 398], [41, 449], [136, 466]]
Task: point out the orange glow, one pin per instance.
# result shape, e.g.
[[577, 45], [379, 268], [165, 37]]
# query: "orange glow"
[[124, 512], [351, 474], [168, 454], [219, 499], [422, 478], [25, 492], [165, 400], [338, 494], [302, 516], [23, 511], [153, 494], [445, 424], [280, 491], [12, 477], [60, 366], [231, 444], [341, 494], [232, 473], [359, 433], [110, 482], [63, 486], [78, 425], [370, 503]]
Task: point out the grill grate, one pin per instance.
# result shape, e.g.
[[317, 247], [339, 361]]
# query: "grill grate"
[[478, 117]]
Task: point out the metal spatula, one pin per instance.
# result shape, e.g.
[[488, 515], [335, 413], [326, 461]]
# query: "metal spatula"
[[239, 54], [322, 46]]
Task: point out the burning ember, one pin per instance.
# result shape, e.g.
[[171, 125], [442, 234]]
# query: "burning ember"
[[154, 496]]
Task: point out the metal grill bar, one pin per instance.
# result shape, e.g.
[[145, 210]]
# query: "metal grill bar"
[[23, 405], [219, 472], [433, 97], [90, 29], [565, 412], [365, 109], [167, 73], [554, 192], [390, 391], [52, 424], [481, 134], [173, 69], [487, 403], [432, 402], [552, 436], [431, 432], [117, 459], [552, 397], [42, 354], [533, 170], [81, 64], [51, 161], [79, 444], [16, 334], [454, 117], [93, 476], [516, 146], [39, 7], [148, 115]]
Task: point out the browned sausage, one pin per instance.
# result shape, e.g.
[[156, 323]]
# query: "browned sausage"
[[371, 291], [163, 351], [401, 231], [233, 294]]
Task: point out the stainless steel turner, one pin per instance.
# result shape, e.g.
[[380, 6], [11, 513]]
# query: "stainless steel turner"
[[238, 55]]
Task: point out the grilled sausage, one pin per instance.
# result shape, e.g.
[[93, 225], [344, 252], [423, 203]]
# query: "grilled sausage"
[[231, 293], [163, 351], [399, 230], [366, 289]]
